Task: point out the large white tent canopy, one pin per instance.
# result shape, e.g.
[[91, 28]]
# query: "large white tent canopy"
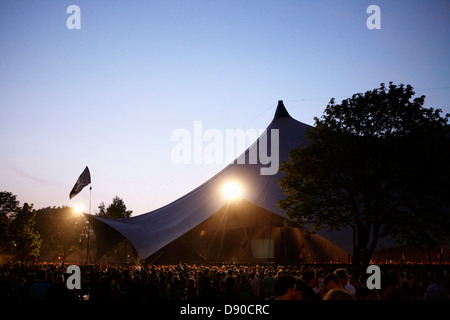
[[151, 231]]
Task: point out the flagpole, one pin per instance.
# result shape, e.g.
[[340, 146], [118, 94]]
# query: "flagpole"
[[84, 180], [88, 255]]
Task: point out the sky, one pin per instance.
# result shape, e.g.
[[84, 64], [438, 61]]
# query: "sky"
[[110, 94]]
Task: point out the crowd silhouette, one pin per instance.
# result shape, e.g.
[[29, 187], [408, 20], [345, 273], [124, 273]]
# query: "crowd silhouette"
[[47, 281]]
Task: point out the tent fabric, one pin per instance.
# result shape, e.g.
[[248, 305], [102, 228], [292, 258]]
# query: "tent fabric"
[[241, 232], [149, 232]]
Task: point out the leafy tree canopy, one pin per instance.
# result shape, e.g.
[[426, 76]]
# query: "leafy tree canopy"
[[377, 163], [117, 209]]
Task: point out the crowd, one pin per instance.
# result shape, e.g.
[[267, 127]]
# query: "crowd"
[[47, 281]]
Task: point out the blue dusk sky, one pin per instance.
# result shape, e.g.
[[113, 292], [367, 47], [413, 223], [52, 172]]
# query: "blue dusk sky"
[[110, 94]]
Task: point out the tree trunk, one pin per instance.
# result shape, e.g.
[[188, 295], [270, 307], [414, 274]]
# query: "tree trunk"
[[362, 253], [360, 261]]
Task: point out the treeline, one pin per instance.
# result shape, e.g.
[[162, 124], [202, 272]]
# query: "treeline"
[[51, 233]]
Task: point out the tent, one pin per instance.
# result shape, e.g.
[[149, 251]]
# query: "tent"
[[241, 232], [203, 226]]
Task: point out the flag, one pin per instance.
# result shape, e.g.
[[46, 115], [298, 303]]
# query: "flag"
[[83, 181]]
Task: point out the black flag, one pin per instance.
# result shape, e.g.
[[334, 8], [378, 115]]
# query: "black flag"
[[83, 181]]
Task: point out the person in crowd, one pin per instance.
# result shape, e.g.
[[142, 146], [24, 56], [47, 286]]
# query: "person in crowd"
[[437, 291], [230, 292], [244, 288], [59, 291], [286, 288], [100, 289], [206, 291], [191, 289], [330, 281], [343, 280], [313, 291], [302, 290], [39, 290], [339, 294], [269, 285], [388, 289], [256, 286]]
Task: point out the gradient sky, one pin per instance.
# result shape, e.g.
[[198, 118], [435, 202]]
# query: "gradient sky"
[[110, 95]]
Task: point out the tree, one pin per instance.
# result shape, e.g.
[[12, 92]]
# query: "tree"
[[377, 163], [17, 232], [24, 236], [117, 209], [101, 210], [62, 231], [8, 207]]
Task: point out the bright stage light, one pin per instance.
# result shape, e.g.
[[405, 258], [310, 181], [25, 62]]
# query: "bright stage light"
[[232, 190], [78, 209]]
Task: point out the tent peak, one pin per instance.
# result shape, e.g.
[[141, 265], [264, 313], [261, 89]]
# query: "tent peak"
[[281, 111]]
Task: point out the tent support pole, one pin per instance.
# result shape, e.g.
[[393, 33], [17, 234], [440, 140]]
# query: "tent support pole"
[[223, 232]]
